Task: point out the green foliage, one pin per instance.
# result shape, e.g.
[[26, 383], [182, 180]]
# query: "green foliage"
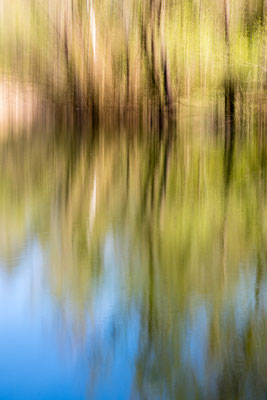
[[156, 53]]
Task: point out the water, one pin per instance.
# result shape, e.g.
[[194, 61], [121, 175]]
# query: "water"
[[133, 263]]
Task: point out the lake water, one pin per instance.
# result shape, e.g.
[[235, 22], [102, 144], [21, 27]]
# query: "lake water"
[[133, 262]]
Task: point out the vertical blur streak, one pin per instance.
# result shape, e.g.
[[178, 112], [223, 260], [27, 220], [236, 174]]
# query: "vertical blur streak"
[[92, 28], [92, 205]]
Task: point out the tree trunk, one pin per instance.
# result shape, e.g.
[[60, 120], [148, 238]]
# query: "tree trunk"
[[229, 89]]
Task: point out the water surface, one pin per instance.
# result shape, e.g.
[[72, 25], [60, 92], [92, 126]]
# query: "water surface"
[[133, 263]]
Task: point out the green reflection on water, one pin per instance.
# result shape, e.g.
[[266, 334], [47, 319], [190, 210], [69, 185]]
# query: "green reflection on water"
[[186, 210]]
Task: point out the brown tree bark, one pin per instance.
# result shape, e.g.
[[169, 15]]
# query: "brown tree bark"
[[229, 90]]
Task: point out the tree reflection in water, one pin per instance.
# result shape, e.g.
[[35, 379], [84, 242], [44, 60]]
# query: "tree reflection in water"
[[154, 253]]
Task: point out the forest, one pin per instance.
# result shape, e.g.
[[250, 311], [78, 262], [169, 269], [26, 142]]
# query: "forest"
[[134, 57]]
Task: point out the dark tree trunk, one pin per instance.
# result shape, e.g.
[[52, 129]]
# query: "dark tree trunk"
[[229, 87]]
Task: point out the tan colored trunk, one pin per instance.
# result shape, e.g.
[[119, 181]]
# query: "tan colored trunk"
[[226, 21]]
